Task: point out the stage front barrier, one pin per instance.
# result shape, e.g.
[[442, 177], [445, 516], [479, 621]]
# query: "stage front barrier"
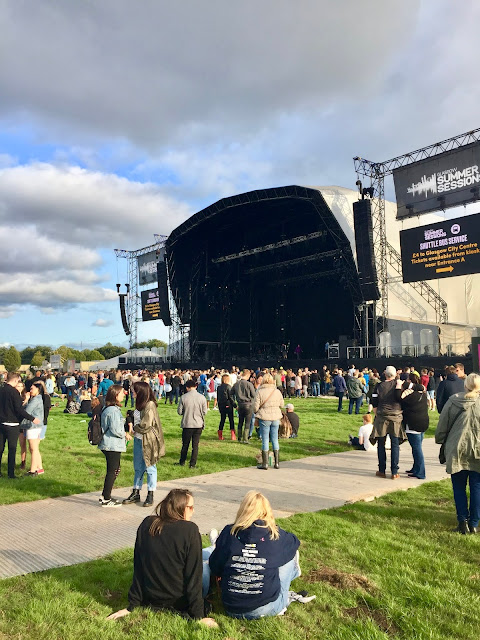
[[407, 350]]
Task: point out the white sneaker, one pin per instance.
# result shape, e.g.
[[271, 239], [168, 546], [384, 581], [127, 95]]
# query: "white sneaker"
[[213, 535], [111, 503]]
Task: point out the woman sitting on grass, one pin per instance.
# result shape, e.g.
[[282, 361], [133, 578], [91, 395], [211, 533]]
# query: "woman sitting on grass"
[[167, 563], [256, 561]]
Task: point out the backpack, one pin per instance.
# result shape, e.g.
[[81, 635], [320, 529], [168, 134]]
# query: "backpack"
[[94, 432]]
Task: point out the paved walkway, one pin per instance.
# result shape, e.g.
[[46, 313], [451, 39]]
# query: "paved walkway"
[[63, 531]]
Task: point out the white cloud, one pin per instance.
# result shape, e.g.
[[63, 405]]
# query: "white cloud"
[[101, 322], [157, 71]]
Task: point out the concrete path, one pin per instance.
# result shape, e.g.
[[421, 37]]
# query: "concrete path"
[[63, 531]]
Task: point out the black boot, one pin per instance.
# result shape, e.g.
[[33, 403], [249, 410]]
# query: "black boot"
[[264, 464], [149, 499], [275, 456], [133, 497], [240, 435], [462, 528]]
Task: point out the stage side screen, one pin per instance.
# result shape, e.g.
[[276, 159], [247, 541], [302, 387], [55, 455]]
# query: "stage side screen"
[[441, 250], [150, 305], [147, 266], [476, 354], [444, 181]]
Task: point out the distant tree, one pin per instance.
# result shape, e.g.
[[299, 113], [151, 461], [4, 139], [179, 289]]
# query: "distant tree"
[[12, 359], [28, 353], [109, 350], [149, 344], [37, 359], [64, 352], [3, 351], [89, 355]]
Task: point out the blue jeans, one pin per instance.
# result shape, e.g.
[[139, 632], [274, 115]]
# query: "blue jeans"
[[206, 553], [269, 431], [315, 389], [340, 399], [175, 394], [357, 402], [252, 425], [287, 573], [394, 454], [459, 484], [140, 468], [418, 468]]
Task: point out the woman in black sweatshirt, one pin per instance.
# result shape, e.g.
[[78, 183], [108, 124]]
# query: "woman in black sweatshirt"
[[167, 564]]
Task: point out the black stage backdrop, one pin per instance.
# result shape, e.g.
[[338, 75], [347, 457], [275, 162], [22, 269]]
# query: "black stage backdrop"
[[444, 181]]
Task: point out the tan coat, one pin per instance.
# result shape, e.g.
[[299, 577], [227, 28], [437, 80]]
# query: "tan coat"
[[271, 409], [150, 428]]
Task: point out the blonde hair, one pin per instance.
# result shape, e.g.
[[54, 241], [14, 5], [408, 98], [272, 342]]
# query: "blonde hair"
[[255, 506], [472, 385], [268, 379]]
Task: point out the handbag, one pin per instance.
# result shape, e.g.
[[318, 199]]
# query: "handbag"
[[441, 454], [256, 422], [285, 430]]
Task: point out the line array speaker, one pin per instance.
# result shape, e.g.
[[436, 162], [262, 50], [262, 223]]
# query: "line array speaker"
[[123, 313], [367, 270], [163, 294]]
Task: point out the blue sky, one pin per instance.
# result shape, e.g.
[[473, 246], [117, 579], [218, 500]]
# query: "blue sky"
[[118, 120]]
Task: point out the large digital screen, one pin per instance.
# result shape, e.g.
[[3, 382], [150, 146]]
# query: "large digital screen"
[[147, 266], [446, 180], [150, 305], [441, 250]]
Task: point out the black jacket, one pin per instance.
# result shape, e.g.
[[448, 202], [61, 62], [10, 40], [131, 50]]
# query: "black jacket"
[[415, 408], [167, 569], [225, 399], [244, 392], [11, 409], [449, 387]]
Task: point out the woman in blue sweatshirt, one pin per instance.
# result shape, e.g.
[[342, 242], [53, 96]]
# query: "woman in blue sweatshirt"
[[256, 561]]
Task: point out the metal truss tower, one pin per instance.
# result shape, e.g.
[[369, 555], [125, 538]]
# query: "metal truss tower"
[[133, 298], [384, 253]]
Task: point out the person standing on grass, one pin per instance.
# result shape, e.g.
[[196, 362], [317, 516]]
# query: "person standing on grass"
[[355, 392], [112, 443], [388, 421], [11, 412], [193, 409], [226, 405], [244, 393], [268, 409], [168, 563], [148, 443], [340, 388], [459, 430], [35, 432], [414, 405]]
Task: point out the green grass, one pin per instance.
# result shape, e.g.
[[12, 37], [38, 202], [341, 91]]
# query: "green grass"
[[72, 465], [385, 569]]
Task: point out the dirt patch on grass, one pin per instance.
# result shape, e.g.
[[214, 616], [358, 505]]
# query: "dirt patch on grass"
[[340, 579], [335, 442], [362, 611], [442, 501]]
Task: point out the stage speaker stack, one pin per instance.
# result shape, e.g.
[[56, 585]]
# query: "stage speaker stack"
[[367, 271], [163, 294], [123, 314]]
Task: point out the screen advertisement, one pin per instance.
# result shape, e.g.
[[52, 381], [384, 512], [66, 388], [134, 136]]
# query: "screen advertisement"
[[147, 266], [441, 250], [150, 305], [446, 180]]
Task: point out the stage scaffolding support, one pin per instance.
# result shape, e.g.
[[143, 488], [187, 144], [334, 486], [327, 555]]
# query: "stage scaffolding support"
[[133, 298], [384, 252]]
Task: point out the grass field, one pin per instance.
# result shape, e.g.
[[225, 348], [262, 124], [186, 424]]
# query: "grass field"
[[385, 569], [72, 465]]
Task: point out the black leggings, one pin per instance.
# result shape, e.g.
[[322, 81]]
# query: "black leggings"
[[9, 434], [113, 467], [224, 412]]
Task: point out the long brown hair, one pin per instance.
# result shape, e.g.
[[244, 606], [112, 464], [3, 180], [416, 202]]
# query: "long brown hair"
[[144, 394], [170, 509], [112, 394]]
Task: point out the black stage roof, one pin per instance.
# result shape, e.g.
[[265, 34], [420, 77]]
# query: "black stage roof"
[[258, 269]]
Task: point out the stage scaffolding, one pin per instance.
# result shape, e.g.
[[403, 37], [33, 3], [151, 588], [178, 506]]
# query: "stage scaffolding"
[[385, 254]]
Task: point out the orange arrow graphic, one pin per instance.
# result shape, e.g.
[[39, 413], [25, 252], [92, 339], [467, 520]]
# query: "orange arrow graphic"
[[450, 268]]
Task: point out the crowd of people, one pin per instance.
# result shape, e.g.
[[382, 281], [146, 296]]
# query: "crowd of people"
[[253, 560]]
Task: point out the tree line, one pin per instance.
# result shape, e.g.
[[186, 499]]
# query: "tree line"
[[11, 358]]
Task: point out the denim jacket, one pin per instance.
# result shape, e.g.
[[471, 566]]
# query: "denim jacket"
[[112, 422], [35, 408]]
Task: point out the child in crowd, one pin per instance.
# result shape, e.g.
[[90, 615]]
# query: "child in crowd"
[[362, 441]]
